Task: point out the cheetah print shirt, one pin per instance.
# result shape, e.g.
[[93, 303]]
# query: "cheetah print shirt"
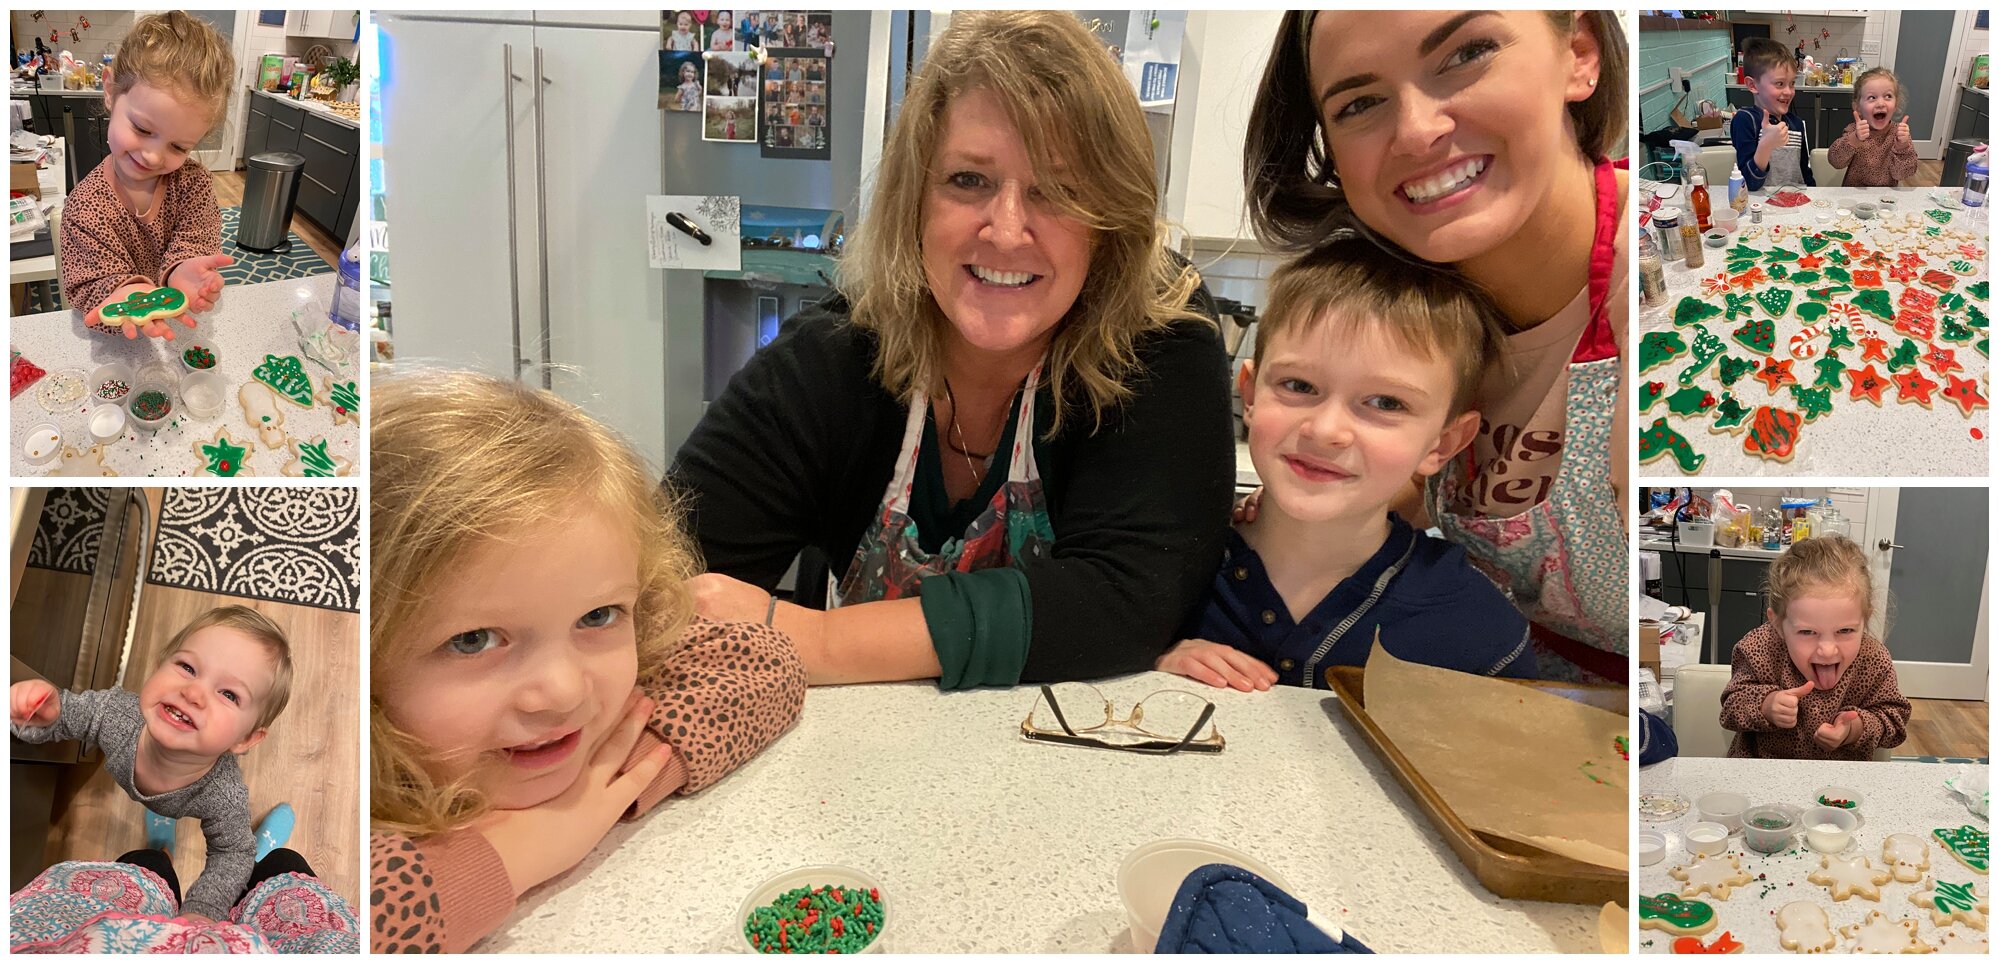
[[729, 691], [1763, 664], [105, 246]]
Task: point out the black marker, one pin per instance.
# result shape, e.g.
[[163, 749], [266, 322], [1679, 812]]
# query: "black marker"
[[687, 226]]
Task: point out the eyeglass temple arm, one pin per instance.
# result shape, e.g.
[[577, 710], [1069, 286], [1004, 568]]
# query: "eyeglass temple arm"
[[1206, 712], [1056, 708]]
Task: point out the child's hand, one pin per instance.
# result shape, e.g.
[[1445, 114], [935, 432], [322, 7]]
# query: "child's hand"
[[153, 329], [201, 280], [1860, 125], [726, 599], [1781, 706], [1902, 131], [1245, 509], [1839, 732], [1224, 667], [540, 842], [34, 702], [1775, 131]]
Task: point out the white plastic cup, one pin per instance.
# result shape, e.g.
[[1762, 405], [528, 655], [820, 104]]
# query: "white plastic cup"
[[107, 372], [1723, 807], [1771, 839], [1823, 794], [1828, 830], [817, 875], [44, 444], [204, 392], [1149, 876], [1706, 837], [1651, 847], [107, 424]]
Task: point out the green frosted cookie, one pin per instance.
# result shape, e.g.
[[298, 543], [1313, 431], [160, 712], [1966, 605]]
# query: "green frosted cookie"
[[1658, 348], [1732, 369], [1706, 349], [1692, 310], [1812, 402], [1661, 441], [1759, 335], [1689, 401]]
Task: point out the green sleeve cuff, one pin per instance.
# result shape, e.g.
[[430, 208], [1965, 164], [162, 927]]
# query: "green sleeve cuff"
[[980, 623]]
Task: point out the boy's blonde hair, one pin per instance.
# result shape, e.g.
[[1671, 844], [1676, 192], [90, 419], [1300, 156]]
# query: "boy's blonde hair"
[[1817, 566], [245, 620], [462, 461], [177, 53], [1084, 114], [1429, 311], [1761, 55]]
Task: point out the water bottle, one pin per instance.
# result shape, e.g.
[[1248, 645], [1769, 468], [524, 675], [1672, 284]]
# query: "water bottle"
[[347, 292], [1735, 188], [1977, 175]]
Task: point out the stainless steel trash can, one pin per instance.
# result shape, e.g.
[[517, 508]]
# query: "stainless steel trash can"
[[1955, 154], [270, 192]]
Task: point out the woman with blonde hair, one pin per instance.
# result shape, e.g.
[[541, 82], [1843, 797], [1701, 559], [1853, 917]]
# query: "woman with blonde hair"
[[1009, 435]]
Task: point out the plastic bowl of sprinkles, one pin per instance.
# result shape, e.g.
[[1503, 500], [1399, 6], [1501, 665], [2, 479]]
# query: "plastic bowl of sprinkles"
[[196, 358], [110, 383], [822, 909]]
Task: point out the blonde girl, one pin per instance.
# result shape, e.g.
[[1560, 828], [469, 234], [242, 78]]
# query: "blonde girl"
[[1871, 152], [1811, 682], [146, 216], [530, 637]]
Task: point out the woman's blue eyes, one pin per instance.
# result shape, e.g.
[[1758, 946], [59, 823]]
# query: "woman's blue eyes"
[[1469, 52], [966, 180]]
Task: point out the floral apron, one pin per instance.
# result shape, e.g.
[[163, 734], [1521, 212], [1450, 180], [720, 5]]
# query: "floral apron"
[[889, 562], [1565, 561]]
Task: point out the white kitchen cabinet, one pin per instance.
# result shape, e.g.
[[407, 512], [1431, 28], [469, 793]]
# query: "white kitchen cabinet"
[[331, 24], [592, 155], [602, 18]]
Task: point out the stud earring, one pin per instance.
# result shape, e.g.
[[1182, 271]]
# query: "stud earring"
[[1592, 82]]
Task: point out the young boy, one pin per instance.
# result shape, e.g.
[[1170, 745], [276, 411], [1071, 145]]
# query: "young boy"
[[1770, 140], [1362, 380], [172, 745]]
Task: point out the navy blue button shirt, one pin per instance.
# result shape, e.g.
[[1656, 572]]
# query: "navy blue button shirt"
[[1430, 605]]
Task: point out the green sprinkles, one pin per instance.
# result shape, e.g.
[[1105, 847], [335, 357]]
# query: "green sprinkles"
[[151, 405], [816, 920]]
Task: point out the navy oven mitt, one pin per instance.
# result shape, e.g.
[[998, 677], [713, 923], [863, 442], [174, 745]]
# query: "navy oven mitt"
[[1228, 910]]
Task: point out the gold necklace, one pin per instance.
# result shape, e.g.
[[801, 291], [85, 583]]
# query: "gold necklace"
[[961, 447]]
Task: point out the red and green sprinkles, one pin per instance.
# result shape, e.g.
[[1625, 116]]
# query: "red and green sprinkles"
[[112, 389], [151, 405], [198, 357], [1840, 802], [816, 920]]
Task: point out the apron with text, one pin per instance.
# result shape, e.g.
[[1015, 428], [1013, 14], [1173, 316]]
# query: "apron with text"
[[890, 562], [1565, 560]]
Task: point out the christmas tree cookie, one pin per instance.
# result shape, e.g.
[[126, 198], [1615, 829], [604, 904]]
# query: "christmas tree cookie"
[[1660, 441], [1949, 330], [1876, 302], [1692, 310], [1659, 347], [1732, 369], [286, 376], [1776, 301], [343, 397], [1759, 335], [1971, 846], [1706, 349], [311, 460], [1905, 356], [1812, 402], [1729, 415]]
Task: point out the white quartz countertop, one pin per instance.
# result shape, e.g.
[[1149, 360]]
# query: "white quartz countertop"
[[1896, 798], [249, 322], [986, 842], [1727, 552], [1858, 438], [311, 106]]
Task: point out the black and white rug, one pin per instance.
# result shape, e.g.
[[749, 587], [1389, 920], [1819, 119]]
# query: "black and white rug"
[[294, 545], [70, 530]]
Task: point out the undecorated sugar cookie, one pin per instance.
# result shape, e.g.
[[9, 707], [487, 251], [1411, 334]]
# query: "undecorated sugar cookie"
[[1963, 903], [1907, 856], [1667, 912], [1843, 877], [1879, 935], [1962, 941], [1803, 927], [1717, 875]]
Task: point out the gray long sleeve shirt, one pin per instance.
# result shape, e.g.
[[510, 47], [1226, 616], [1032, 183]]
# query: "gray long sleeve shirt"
[[111, 721]]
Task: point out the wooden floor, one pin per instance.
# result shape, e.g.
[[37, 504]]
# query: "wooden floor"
[[1946, 728], [311, 759], [1928, 174], [229, 192]]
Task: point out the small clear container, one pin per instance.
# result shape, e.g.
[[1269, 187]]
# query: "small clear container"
[[1651, 847], [1828, 830], [110, 383], [1150, 875], [44, 444], [197, 358], [1707, 837], [819, 875], [107, 423], [1723, 807], [1768, 829], [204, 392], [1844, 798], [152, 400]]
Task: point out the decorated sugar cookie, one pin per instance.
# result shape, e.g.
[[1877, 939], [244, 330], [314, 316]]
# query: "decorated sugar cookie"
[[1690, 401], [343, 397], [1839, 273], [260, 409], [1778, 256], [1840, 335], [221, 455], [1660, 440], [83, 463], [1949, 330], [1829, 369], [1843, 877], [1667, 912], [1942, 360], [310, 460], [1918, 299], [1692, 310], [1963, 392], [1725, 943], [1866, 384], [1804, 279], [1939, 280], [1878, 935], [1905, 356], [286, 376], [1980, 291], [1776, 374], [1744, 305], [1804, 928], [1970, 845], [1801, 343], [1742, 252], [1911, 386], [1717, 875], [1711, 287], [1811, 402], [1906, 855], [1773, 434], [141, 308], [1962, 940], [1814, 243], [1902, 273], [1759, 335], [1915, 323], [1775, 301], [1659, 347], [1876, 302], [1867, 278], [1749, 279], [1729, 416], [1732, 369], [1947, 902], [1940, 217], [1779, 272], [1873, 348], [1706, 349], [1649, 394]]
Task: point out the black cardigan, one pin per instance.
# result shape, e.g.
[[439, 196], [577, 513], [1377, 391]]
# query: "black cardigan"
[[799, 448]]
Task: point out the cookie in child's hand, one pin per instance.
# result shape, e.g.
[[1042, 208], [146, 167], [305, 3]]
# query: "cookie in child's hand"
[[141, 308]]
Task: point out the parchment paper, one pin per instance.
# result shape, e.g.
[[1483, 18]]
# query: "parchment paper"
[[1513, 761]]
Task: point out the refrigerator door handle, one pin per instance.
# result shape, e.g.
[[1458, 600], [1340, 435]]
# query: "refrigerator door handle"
[[513, 230], [541, 212]]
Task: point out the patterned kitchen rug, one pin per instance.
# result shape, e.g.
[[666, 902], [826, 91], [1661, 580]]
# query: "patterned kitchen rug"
[[70, 529], [281, 544], [251, 267]]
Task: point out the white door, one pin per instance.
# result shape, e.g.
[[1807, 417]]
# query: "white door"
[[219, 150], [605, 303], [444, 157], [1929, 549]]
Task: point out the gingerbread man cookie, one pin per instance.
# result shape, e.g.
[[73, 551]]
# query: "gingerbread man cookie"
[[1717, 875], [260, 409], [1964, 903], [1906, 855], [1843, 877], [1803, 927], [1879, 935], [1666, 912]]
